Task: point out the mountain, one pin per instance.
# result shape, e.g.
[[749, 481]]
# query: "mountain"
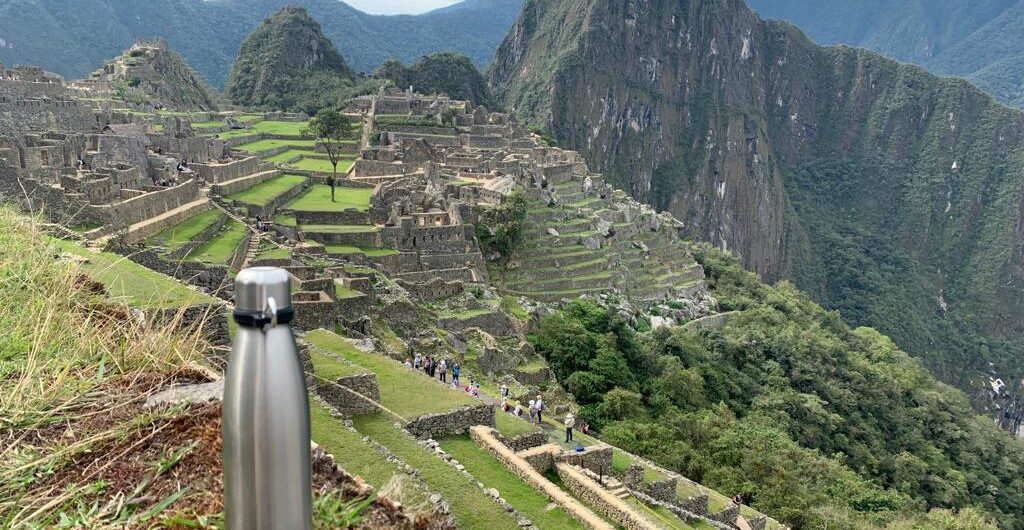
[[281, 57], [975, 40], [160, 74], [440, 73], [885, 192], [74, 38]]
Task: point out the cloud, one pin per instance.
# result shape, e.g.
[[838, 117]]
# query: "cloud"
[[394, 7]]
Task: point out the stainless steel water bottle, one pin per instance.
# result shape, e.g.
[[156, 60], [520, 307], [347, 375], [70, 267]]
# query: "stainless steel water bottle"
[[265, 415]]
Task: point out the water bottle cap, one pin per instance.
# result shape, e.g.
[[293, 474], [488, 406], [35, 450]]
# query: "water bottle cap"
[[254, 287]]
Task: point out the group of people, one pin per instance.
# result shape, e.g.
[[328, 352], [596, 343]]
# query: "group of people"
[[438, 368], [262, 225]]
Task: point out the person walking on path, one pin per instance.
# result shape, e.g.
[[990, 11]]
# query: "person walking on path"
[[570, 422], [504, 392], [443, 370], [540, 408], [455, 373], [533, 411]]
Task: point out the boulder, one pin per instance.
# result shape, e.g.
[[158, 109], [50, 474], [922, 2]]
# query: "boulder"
[[552, 232]]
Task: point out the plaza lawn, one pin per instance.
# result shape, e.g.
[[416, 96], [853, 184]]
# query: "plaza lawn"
[[405, 392], [176, 236], [260, 146], [368, 252], [221, 248], [493, 474], [283, 128], [262, 194], [318, 199], [470, 506], [131, 283], [321, 165]]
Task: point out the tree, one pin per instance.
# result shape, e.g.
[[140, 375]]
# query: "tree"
[[332, 129]]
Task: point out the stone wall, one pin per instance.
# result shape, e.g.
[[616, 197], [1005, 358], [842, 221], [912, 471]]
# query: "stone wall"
[[450, 423], [525, 441], [529, 474], [315, 314], [435, 289], [601, 500], [496, 324], [215, 173], [21, 115], [376, 168], [208, 278], [144, 207], [664, 490], [339, 394], [595, 458], [347, 217]]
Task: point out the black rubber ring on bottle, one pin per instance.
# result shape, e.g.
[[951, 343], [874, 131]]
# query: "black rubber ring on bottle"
[[257, 319]]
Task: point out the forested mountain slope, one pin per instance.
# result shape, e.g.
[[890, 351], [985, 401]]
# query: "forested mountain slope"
[[74, 38], [883, 191], [978, 40]]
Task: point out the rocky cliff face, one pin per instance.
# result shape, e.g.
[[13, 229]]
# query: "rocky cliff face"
[[887, 193], [284, 50]]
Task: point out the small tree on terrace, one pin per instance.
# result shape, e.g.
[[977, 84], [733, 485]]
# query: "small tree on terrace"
[[332, 129]]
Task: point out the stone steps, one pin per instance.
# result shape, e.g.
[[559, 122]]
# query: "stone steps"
[[154, 225]]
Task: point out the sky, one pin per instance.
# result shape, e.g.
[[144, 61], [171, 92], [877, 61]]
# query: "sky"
[[394, 7]]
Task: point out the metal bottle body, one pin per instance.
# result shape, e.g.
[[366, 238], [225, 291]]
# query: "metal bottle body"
[[267, 483]]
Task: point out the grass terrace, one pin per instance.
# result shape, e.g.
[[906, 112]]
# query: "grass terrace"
[[407, 393], [207, 124], [131, 283], [263, 194], [290, 154], [283, 128], [342, 292], [178, 235], [321, 165], [221, 248], [493, 474], [510, 426], [318, 199], [368, 252], [261, 146], [471, 507]]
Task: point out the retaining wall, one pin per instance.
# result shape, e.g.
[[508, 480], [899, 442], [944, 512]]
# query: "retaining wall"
[[601, 500], [450, 423], [339, 394]]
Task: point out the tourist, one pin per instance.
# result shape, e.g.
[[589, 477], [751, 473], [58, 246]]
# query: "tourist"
[[407, 363], [443, 370], [476, 390], [504, 391], [570, 422], [533, 411], [518, 411], [540, 408], [584, 427], [455, 373], [504, 405]]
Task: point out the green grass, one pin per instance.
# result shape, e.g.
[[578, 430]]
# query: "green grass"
[[342, 292], [221, 248], [272, 252], [330, 368], [493, 474], [367, 251], [321, 165], [509, 426], [407, 393], [318, 199], [338, 229], [207, 124], [620, 461], [353, 454], [131, 283], [281, 158], [284, 128], [661, 516], [470, 506], [236, 133], [176, 236], [263, 194], [285, 220], [261, 146]]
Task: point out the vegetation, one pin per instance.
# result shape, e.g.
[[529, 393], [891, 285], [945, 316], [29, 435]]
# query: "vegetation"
[[221, 248], [176, 236], [320, 198], [866, 436], [332, 129], [286, 58], [501, 227], [262, 194], [440, 73]]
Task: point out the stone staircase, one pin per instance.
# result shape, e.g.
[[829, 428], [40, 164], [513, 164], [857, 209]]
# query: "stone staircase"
[[610, 483]]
